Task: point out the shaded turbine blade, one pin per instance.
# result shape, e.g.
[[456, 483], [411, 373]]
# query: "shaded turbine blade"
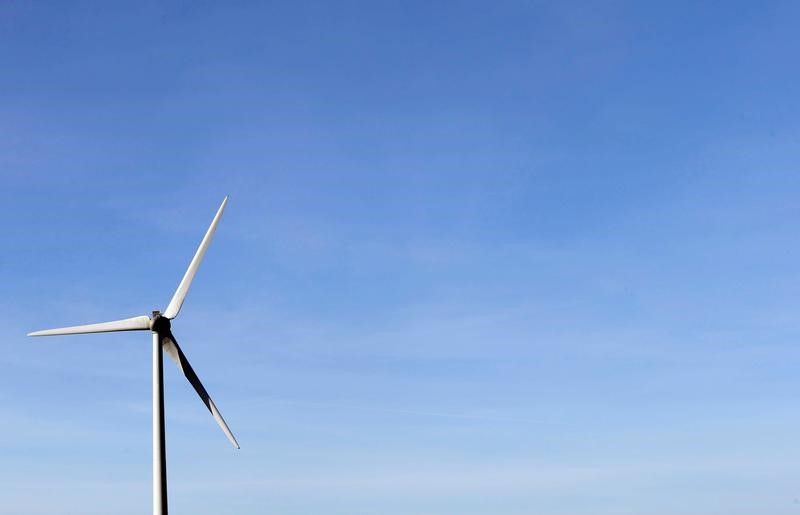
[[183, 288], [171, 347], [141, 323]]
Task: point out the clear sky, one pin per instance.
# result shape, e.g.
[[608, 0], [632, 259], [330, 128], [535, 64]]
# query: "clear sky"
[[501, 258]]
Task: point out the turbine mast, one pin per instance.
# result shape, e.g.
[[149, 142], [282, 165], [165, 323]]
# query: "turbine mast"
[[159, 436]]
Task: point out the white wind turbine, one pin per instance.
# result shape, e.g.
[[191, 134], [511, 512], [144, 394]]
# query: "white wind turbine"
[[163, 340]]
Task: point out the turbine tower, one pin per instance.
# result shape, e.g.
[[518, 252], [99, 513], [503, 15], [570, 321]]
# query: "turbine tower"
[[163, 341]]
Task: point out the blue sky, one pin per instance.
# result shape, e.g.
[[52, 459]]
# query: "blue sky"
[[480, 258]]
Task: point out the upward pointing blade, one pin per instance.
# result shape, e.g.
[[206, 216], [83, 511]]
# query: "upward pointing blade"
[[171, 347], [129, 324], [183, 288]]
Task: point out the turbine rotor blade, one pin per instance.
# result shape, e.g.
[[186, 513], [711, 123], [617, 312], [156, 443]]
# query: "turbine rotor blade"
[[171, 347], [141, 323], [183, 288]]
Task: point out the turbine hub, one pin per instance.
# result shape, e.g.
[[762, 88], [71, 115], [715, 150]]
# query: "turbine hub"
[[160, 324]]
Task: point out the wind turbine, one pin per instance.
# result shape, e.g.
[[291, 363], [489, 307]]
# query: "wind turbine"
[[163, 341]]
